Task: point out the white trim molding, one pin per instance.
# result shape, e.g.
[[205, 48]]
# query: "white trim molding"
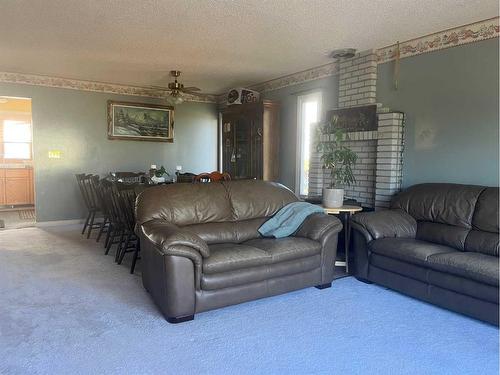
[[110, 88], [312, 74], [456, 36], [470, 33], [317, 96]]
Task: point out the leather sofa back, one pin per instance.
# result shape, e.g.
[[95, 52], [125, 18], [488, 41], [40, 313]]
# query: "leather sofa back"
[[461, 216], [252, 199], [450, 204], [483, 237], [184, 204], [229, 211]]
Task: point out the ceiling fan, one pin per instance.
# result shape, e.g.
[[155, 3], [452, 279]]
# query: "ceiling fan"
[[177, 89]]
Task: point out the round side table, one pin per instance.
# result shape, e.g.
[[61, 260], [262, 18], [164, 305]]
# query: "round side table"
[[347, 211]]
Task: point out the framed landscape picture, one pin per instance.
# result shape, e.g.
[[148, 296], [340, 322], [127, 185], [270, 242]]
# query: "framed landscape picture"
[[356, 118], [140, 122]]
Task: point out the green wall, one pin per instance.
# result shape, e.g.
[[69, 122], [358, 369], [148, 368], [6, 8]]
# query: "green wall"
[[287, 97], [450, 98], [75, 123]]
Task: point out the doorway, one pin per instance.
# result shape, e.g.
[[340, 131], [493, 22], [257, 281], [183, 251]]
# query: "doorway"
[[17, 190]]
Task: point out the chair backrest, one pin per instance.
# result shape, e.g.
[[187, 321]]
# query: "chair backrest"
[[212, 177], [119, 199], [79, 180], [185, 177], [110, 196], [461, 216], [127, 199], [103, 200], [88, 186]]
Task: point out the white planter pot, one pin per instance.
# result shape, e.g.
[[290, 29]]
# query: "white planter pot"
[[333, 198]]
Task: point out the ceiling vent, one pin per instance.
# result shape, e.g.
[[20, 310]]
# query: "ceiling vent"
[[343, 53]]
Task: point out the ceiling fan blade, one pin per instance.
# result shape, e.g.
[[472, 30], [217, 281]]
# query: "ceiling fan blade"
[[191, 89], [159, 87], [196, 93]]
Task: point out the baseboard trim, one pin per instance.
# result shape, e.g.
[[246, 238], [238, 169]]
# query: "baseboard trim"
[[54, 223]]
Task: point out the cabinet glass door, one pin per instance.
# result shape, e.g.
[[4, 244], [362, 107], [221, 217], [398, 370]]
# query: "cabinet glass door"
[[228, 126], [242, 154]]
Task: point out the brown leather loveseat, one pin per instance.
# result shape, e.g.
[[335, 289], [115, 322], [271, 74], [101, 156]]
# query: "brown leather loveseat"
[[439, 243], [201, 250]]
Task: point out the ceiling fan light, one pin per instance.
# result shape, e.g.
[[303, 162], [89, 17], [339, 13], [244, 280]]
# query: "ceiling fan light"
[[175, 99]]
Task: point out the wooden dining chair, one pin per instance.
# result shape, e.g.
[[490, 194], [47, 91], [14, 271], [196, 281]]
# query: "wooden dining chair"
[[184, 177], [88, 185], [127, 196], [118, 227], [212, 177]]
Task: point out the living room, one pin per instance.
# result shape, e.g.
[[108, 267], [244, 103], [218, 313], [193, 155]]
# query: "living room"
[[231, 156]]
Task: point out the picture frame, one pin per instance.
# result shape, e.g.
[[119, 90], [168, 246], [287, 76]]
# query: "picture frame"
[[362, 118], [140, 122]]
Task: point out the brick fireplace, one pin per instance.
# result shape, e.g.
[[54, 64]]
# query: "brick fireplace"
[[378, 170]]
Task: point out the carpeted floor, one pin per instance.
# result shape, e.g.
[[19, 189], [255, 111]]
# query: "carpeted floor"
[[65, 308]]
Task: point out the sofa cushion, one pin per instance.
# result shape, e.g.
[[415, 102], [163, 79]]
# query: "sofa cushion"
[[442, 234], [400, 267], [282, 249], [484, 236], [408, 250], [486, 212], [474, 266], [451, 204], [188, 204], [214, 232], [229, 257], [229, 231], [483, 242], [255, 274], [252, 199], [462, 285], [184, 204], [387, 223]]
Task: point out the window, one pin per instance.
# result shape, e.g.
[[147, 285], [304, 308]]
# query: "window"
[[308, 111], [16, 140]]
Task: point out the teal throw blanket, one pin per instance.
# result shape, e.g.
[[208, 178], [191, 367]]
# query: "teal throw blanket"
[[288, 219]]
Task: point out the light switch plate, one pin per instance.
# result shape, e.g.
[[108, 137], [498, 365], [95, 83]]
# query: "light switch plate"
[[55, 154]]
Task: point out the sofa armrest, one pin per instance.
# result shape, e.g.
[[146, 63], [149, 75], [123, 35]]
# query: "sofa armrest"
[[315, 226], [172, 240], [383, 224]]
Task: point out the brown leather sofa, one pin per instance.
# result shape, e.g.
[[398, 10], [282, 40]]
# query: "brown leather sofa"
[[201, 250], [439, 243]]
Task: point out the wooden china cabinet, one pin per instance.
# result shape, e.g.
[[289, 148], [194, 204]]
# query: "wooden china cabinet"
[[249, 140]]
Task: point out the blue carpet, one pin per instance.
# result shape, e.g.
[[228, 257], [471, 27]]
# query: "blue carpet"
[[65, 308]]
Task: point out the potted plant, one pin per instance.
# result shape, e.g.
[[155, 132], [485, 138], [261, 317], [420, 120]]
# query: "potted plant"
[[337, 158], [158, 175]]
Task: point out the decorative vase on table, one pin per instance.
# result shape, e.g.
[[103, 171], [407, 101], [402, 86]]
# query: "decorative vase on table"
[[333, 198]]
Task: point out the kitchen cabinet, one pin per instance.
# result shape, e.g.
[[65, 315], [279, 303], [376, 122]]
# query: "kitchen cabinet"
[[16, 186]]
